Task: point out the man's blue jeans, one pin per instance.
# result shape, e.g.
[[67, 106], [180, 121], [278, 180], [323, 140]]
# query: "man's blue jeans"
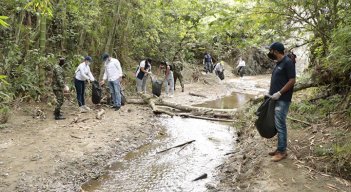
[[80, 89], [281, 111], [115, 89]]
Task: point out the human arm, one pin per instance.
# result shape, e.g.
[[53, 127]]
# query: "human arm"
[[104, 77], [168, 70], [90, 75], [60, 77], [82, 70], [119, 69]]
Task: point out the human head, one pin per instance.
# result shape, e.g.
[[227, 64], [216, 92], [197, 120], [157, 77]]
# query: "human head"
[[276, 50], [148, 60], [105, 56], [61, 61], [88, 59]]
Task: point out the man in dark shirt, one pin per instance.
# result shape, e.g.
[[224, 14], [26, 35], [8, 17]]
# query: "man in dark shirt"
[[281, 90]]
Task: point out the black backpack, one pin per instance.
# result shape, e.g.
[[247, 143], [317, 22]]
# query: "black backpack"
[[292, 56], [96, 92]]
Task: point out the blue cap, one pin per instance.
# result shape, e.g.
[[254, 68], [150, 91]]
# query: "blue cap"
[[88, 58], [105, 56], [277, 46]]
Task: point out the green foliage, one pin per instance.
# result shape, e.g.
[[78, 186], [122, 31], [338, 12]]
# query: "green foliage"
[[42, 6], [314, 111], [340, 48], [2, 22]]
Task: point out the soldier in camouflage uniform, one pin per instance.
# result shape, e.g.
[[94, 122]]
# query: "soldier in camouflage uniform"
[[58, 84], [177, 73]]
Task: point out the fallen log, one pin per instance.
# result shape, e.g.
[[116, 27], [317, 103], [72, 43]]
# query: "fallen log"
[[227, 116], [205, 118], [197, 95], [180, 145], [151, 102], [78, 120], [157, 103], [304, 122], [186, 108], [302, 86], [203, 176]]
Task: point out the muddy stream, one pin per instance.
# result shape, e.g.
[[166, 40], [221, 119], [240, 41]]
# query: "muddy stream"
[[174, 170]]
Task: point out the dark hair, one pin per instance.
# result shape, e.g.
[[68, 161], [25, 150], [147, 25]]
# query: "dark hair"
[[105, 56], [148, 60], [61, 61]]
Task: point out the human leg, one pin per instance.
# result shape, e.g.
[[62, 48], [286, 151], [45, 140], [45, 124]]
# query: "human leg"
[[79, 90], [281, 111], [144, 83], [139, 85]]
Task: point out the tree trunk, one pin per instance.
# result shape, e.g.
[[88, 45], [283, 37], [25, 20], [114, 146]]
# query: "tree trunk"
[[19, 26], [111, 34], [64, 27], [42, 38], [42, 43]]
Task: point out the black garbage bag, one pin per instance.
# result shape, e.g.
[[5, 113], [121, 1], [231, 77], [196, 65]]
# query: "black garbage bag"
[[123, 98], [265, 123], [96, 92], [156, 87], [221, 75]]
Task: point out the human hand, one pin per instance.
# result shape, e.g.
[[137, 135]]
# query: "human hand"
[[276, 95], [102, 83]]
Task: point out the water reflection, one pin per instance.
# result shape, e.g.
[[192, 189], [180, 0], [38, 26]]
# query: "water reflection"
[[235, 100]]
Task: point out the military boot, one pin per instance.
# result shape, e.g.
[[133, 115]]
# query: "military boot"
[[58, 115], [182, 89]]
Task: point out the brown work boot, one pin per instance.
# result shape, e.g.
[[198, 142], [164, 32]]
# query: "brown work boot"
[[272, 153], [279, 156]]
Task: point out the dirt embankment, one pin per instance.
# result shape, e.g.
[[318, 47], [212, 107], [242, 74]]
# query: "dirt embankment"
[[49, 155], [249, 168]]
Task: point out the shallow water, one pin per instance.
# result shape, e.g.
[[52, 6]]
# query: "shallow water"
[[174, 170], [234, 100]]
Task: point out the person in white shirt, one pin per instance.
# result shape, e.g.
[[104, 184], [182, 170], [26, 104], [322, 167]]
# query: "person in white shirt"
[[169, 79], [219, 69], [113, 74], [142, 75], [241, 67], [83, 74]]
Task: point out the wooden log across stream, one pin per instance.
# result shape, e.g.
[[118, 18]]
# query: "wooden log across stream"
[[160, 106]]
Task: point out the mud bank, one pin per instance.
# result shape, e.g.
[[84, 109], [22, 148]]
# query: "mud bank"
[[249, 167], [48, 155]]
